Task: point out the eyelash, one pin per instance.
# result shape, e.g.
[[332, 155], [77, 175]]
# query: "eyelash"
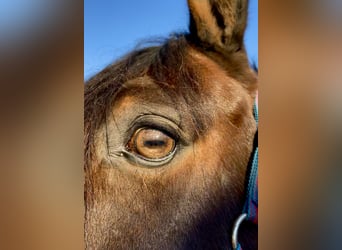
[[146, 125]]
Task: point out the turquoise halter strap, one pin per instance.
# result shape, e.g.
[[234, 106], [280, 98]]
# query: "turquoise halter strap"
[[250, 209]]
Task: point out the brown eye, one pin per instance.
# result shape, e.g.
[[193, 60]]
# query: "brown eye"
[[151, 143]]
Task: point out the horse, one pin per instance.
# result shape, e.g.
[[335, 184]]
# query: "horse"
[[169, 134]]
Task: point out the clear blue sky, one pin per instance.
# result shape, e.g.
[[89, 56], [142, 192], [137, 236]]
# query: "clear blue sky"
[[113, 28]]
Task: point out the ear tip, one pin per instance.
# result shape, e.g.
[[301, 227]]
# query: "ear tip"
[[218, 23]]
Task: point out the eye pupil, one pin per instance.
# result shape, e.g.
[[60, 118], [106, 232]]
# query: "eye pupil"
[[151, 143], [155, 143]]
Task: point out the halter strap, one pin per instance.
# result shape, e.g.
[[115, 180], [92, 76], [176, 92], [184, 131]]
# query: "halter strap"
[[250, 209]]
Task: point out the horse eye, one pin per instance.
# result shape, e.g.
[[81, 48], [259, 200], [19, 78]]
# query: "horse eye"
[[151, 144]]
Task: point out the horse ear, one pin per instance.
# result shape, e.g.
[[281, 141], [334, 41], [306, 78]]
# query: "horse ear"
[[218, 24]]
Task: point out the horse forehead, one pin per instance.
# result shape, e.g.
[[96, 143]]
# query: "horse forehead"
[[142, 90], [214, 79], [143, 95], [213, 82]]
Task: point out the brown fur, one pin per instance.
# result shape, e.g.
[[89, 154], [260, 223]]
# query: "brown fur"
[[192, 201]]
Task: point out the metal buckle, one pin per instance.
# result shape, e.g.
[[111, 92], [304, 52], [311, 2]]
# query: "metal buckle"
[[236, 227]]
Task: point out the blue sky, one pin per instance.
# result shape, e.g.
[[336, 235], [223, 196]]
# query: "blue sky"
[[113, 28]]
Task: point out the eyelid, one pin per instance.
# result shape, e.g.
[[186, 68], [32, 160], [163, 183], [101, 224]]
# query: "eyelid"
[[136, 133], [150, 163], [142, 160], [161, 123]]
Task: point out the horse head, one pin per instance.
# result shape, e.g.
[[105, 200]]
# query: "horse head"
[[169, 133]]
